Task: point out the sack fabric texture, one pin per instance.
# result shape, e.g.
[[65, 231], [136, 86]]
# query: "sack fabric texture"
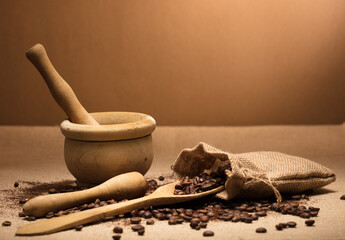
[[255, 174]]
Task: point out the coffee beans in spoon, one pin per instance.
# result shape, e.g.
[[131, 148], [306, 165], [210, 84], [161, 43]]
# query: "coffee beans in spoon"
[[201, 183]]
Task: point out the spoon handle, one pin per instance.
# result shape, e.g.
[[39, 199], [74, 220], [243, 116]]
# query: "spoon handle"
[[56, 224], [125, 186], [61, 91]]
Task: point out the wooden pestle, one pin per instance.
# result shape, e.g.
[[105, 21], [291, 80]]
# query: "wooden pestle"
[[125, 186], [61, 91]]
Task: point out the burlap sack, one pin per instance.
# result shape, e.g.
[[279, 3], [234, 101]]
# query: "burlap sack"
[[255, 174]]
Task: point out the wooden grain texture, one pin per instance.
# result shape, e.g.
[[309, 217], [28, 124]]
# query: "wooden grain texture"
[[59, 88], [125, 186], [162, 196]]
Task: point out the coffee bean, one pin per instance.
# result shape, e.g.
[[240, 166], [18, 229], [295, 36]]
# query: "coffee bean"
[[313, 213], [204, 218], [284, 225], [211, 214], [16, 184], [187, 218], [21, 214], [193, 224], [203, 225], [6, 223], [291, 224], [135, 220], [137, 227], [23, 201], [236, 218], [79, 228], [172, 222], [30, 218], [279, 227], [141, 231], [261, 214], [261, 230], [117, 237], [208, 233], [207, 186], [342, 197], [180, 220], [304, 215], [196, 220], [147, 214], [150, 222], [309, 222], [161, 178], [118, 229]]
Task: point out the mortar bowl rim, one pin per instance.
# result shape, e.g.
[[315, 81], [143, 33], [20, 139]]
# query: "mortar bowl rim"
[[114, 126]]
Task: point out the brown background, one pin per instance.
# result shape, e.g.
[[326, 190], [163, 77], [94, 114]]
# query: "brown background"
[[195, 62]]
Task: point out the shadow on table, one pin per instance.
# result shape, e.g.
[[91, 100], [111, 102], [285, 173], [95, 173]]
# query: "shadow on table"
[[322, 191]]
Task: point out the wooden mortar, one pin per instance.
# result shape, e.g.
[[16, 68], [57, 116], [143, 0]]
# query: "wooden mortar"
[[98, 146], [122, 143]]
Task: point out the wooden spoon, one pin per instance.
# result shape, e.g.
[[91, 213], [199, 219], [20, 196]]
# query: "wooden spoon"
[[61, 91], [162, 196], [125, 186]]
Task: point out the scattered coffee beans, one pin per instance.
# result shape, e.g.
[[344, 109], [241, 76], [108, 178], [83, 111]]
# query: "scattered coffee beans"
[[21, 214], [261, 230], [116, 237], [203, 225], [199, 212], [342, 197], [172, 222], [135, 220], [118, 229], [79, 228], [284, 225], [23, 201], [161, 178], [208, 233], [16, 184], [141, 231], [150, 222], [291, 224], [279, 227], [309, 222], [6, 223], [137, 227]]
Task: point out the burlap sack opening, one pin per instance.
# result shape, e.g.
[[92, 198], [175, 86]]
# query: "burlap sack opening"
[[255, 174]]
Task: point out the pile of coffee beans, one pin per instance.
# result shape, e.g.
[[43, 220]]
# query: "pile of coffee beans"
[[199, 212], [203, 182]]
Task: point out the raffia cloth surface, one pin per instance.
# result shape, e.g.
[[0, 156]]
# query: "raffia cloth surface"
[[255, 175], [36, 154]]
